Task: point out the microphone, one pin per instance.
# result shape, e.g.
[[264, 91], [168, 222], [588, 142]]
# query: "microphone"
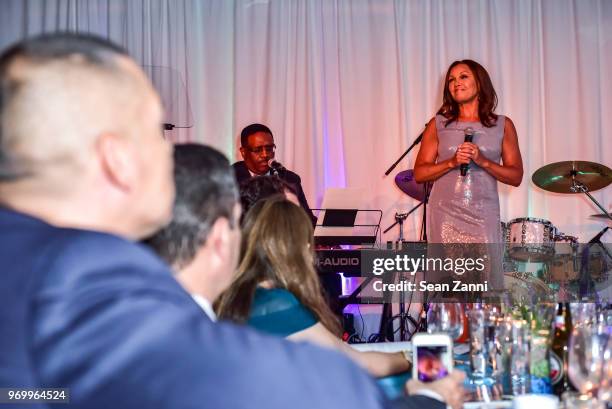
[[469, 137], [275, 167]]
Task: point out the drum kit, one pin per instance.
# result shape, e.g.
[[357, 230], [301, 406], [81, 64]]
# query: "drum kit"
[[536, 240], [570, 262]]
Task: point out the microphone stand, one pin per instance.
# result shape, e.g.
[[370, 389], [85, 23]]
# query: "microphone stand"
[[168, 126], [424, 202], [403, 316], [422, 327], [428, 186], [415, 143]]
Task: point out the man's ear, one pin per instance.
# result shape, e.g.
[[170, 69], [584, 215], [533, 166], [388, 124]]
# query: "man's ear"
[[116, 160], [219, 240], [242, 152]]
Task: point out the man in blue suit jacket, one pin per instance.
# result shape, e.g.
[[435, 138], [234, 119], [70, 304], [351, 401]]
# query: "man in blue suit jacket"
[[84, 171]]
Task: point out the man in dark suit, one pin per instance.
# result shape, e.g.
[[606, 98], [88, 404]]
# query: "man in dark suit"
[[258, 149], [84, 172]]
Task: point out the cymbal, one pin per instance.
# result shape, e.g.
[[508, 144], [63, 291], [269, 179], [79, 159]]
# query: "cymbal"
[[405, 181], [600, 215], [558, 177]]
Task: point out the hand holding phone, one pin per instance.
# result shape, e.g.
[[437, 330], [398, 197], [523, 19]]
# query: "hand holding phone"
[[432, 357], [450, 388]]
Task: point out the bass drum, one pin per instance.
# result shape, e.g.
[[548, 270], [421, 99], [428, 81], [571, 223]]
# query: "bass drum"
[[524, 288], [599, 264], [565, 266]]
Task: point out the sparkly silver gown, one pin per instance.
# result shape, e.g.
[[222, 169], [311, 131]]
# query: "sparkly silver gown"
[[465, 209]]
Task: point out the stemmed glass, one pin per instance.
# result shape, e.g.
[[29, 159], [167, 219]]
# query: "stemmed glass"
[[605, 389], [517, 350], [446, 318], [587, 357]]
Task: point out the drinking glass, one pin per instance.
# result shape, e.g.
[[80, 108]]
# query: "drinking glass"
[[478, 355], [605, 389], [575, 400], [446, 318], [541, 318], [583, 313], [516, 355], [588, 348]]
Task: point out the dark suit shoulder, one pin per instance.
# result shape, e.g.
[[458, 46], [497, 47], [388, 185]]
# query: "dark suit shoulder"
[[292, 177], [89, 268], [417, 402], [89, 249], [241, 172], [238, 165]]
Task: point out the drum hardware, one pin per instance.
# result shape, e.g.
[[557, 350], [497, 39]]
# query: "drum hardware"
[[404, 317], [601, 216], [579, 187], [399, 219], [419, 191], [594, 264]]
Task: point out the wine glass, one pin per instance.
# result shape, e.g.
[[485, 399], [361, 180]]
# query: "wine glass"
[[445, 317], [583, 313], [588, 349], [605, 389]]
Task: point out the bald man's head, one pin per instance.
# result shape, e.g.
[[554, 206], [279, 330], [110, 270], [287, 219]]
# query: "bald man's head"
[[41, 97], [76, 113]]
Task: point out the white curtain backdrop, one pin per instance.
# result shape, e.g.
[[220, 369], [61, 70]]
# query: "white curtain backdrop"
[[346, 86]]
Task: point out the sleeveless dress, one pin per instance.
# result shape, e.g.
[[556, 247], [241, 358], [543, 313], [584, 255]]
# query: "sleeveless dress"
[[278, 312], [465, 209]]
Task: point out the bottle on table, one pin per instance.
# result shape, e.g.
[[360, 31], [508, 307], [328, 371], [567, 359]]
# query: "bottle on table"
[[559, 350]]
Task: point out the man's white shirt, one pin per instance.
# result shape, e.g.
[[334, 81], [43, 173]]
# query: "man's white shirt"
[[206, 306]]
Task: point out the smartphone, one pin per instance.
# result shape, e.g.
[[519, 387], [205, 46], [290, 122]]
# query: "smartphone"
[[432, 356]]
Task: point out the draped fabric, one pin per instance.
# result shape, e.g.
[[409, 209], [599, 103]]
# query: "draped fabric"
[[346, 86]]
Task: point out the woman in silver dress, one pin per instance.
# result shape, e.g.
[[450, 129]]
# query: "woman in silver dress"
[[465, 209]]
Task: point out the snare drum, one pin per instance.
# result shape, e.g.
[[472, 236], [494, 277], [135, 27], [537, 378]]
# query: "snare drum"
[[565, 265], [531, 239], [565, 246]]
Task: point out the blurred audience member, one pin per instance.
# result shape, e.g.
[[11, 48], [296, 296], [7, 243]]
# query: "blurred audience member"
[[277, 289], [205, 223], [257, 188]]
